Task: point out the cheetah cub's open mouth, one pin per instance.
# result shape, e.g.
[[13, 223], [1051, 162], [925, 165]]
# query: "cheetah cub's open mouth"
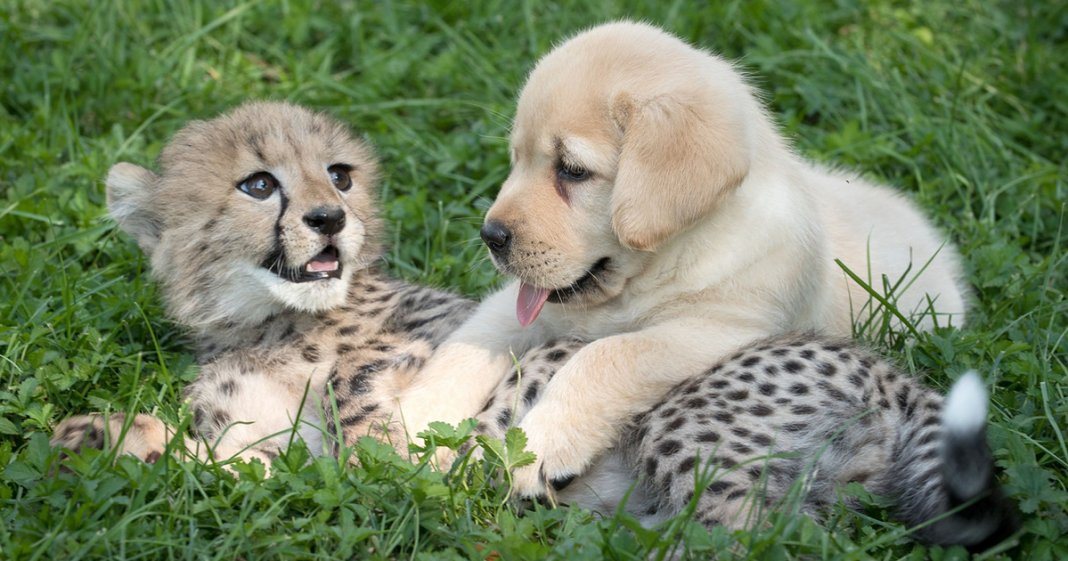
[[325, 265]]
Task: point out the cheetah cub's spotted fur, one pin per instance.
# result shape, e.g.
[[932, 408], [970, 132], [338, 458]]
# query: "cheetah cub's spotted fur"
[[796, 417], [261, 231]]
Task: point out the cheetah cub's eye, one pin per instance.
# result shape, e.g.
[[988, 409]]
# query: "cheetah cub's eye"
[[339, 176], [259, 185]]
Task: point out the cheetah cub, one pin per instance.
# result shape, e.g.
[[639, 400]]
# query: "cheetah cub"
[[262, 234]]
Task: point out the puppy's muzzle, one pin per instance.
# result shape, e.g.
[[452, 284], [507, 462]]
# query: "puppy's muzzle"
[[498, 238]]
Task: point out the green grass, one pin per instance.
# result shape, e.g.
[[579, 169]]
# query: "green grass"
[[959, 103]]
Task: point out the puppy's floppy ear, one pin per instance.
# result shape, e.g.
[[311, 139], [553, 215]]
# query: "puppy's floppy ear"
[[679, 159], [132, 203]]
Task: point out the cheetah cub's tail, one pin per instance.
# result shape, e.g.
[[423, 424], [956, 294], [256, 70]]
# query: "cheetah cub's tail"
[[965, 505]]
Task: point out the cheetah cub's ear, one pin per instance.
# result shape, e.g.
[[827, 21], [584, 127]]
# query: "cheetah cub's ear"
[[132, 204]]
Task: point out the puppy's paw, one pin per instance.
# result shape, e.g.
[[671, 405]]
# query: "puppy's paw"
[[146, 437], [563, 453]]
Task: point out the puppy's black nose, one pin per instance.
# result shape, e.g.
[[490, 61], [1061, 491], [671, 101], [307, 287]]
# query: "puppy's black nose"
[[496, 236], [325, 220]]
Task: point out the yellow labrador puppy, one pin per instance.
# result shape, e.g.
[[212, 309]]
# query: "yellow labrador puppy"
[[654, 209]]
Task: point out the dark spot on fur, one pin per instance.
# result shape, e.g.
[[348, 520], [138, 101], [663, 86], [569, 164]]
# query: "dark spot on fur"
[[669, 412], [740, 431], [736, 495], [833, 392], [761, 439], [723, 417], [696, 403], [504, 418], [754, 472], [221, 418], [669, 447], [803, 410], [719, 384], [676, 424], [310, 353], [794, 427], [884, 403], [902, 398], [727, 463], [718, 487], [348, 330], [152, 457], [827, 369], [746, 377], [532, 392], [687, 464], [708, 436], [650, 466], [767, 389], [779, 352], [227, 387], [359, 384], [760, 410], [92, 438], [771, 370], [856, 380], [793, 366], [692, 387], [556, 355], [751, 361], [740, 448], [344, 349], [737, 395], [799, 389]]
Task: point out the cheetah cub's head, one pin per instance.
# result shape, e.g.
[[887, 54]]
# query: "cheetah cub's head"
[[265, 208]]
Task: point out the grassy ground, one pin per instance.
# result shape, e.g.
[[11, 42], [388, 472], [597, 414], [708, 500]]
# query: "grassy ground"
[[960, 103]]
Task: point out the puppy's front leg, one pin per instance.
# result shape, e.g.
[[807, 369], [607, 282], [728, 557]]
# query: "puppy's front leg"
[[606, 384], [465, 369]]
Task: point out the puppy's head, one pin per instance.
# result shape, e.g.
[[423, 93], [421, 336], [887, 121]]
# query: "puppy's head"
[[624, 136]]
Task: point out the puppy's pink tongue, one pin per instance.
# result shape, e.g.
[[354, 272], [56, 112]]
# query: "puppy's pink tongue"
[[530, 302]]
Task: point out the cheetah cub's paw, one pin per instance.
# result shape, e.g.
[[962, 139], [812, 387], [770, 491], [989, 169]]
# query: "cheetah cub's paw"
[[146, 437]]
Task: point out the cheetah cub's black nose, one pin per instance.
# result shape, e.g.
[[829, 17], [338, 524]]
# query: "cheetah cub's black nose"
[[325, 220], [496, 236]]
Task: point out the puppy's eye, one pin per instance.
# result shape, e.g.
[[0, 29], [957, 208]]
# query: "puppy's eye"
[[339, 176], [259, 185], [573, 174]]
